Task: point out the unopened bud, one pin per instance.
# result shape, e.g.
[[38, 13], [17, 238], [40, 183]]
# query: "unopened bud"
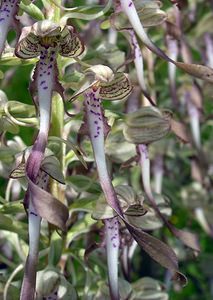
[[149, 13], [47, 282], [147, 125]]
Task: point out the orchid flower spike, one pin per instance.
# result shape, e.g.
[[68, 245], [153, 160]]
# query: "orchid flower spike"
[[46, 40], [8, 12]]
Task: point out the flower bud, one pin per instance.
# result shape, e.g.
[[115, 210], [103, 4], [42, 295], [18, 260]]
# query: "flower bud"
[[50, 283], [148, 11], [147, 125], [47, 282], [101, 72]]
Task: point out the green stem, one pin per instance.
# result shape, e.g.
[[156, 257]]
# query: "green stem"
[[57, 123]]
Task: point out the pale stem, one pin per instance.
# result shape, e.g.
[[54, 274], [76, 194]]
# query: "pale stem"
[[158, 174], [173, 53], [112, 36], [7, 12], [194, 117], [145, 164], [200, 216], [145, 170], [125, 261], [209, 49], [112, 249], [132, 249], [138, 60], [139, 66]]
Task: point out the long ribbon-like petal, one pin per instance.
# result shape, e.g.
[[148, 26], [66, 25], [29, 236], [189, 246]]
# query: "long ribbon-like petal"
[[8, 12]]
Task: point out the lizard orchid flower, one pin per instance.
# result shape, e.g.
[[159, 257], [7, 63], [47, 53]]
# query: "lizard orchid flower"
[[106, 86], [8, 12], [109, 86], [46, 40]]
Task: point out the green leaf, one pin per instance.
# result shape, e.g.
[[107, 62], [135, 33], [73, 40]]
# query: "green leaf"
[[7, 125], [12, 208], [82, 183], [7, 154], [148, 289], [9, 224], [56, 249], [84, 12], [102, 209], [66, 290], [32, 10], [80, 227], [84, 204], [70, 145]]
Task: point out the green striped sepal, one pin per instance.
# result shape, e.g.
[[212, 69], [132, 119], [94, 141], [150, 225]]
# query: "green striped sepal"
[[147, 125], [48, 35], [118, 88]]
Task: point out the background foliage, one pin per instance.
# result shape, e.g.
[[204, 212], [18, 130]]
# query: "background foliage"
[[185, 192]]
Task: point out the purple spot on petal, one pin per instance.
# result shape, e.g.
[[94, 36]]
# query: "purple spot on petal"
[[34, 214], [43, 81]]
